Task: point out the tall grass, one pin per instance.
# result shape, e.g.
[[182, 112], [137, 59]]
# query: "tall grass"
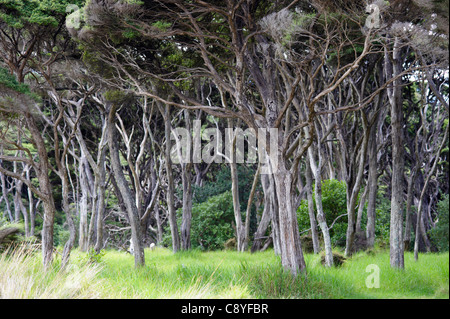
[[22, 276], [219, 274]]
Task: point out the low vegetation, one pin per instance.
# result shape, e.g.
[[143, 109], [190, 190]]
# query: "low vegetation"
[[218, 274]]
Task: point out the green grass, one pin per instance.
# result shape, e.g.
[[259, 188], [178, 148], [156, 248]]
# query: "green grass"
[[227, 274]]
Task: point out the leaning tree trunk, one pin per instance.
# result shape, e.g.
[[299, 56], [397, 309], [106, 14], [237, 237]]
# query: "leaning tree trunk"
[[46, 190], [266, 215], [320, 214], [275, 216], [249, 209], [126, 193], [420, 228]]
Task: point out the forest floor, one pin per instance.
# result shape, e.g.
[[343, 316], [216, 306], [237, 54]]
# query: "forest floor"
[[223, 274]]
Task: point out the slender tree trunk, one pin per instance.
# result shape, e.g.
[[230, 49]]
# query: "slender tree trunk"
[[30, 207], [266, 215], [66, 208], [83, 227], [187, 209], [45, 188], [170, 182], [5, 193], [249, 209], [187, 194], [159, 229], [125, 191], [352, 195], [359, 215], [409, 201], [395, 98], [312, 217], [101, 202], [17, 196], [320, 214], [372, 184], [276, 237], [420, 228], [240, 231]]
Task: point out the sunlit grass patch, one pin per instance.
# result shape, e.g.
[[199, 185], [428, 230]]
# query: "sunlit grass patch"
[[219, 274]]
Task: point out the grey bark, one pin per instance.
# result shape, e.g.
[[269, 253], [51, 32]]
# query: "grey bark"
[[83, 212], [392, 70], [316, 170], [372, 184], [186, 180], [352, 195], [291, 250], [170, 183], [125, 191], [266, 215]]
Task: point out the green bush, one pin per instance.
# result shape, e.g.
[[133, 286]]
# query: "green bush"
[[211, 223], [439, 234], [334, 204], [61, 235]]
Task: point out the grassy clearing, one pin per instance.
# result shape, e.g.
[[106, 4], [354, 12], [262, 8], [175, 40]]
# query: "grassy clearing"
[[222, 274]]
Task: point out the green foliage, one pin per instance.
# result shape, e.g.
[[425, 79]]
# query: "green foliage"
[[21, 13], [211, 223], [9, 81], [334, 204], [439, 234], [221, 182], [382, 218], [60, 235]]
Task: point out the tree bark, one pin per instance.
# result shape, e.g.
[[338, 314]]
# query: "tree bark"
[[170, 183], [266, 215], [393, 69], [45, 189], [186, 181], [352, 195], [240, 231], [83, 227], [125, 191], [372, 184], [101, 202], [320, 214], [291, 250], [312, 217]]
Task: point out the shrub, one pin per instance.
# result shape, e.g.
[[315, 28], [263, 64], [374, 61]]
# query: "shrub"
[[211, 223], [334, 204], [439, 234]]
